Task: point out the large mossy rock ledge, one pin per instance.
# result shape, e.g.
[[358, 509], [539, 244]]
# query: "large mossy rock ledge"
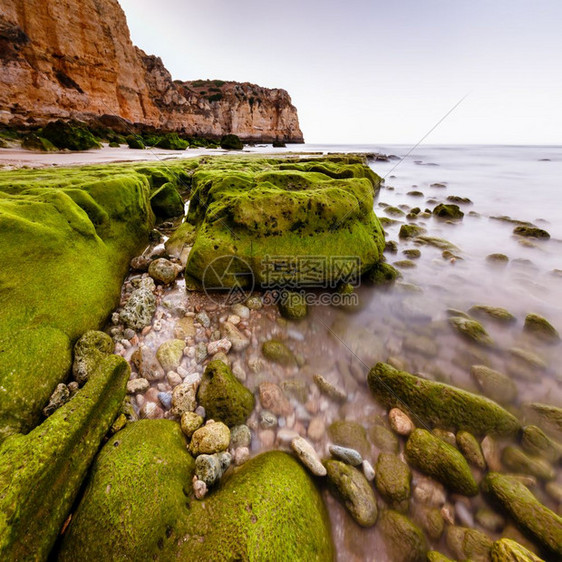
[[66, 239], [138, 505], [317, 214]]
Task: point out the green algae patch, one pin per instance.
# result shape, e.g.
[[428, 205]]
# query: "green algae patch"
[[532, 517], [138, 504], [439, 405], [315, 217], [137, 495], [41, 473], [66, 239]]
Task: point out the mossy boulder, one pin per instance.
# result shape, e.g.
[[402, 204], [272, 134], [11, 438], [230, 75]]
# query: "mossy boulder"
[[355, 492], [138, 505], [172, 141], [135, 142], [32, 141], [166, 202], [507, 550], [404, 541], [231, 142], [293, 305], [278, 352], [444, 211], [69, 234], [288, 224], [441, 461], [533, 518], [392, 480], [541, 328], [440, 405], [469, 544], [41, 473], [223, 396], [72, 136]]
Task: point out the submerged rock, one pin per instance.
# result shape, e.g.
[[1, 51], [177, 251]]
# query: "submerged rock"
[[507, 550], [293, 305], [223, 396], [350, 434], [494, 385], [255, 514], [541, 328], [163, 270], [278, 352], [441, 461], [444, 211], [531, 231], [139, 310], [404, 541], [536, 442], [531, 516], [170, 354], [438, 404], [469, 544], [516, 460], [471, 330], [470, 448], [494, 312], [411, 231], [351, 486], [392, 480]]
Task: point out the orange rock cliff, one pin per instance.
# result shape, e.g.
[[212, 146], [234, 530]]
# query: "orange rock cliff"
[[68, 59]]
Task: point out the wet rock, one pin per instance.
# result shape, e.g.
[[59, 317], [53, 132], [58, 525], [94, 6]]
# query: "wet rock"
[[469, 544], [490, 520], [350, 434], [213, 437], [295, 388], [383, 439], [429, 491], [316, 428], [140, 308], [146, 363], [494, 385], [241, 455], [441, 461], [293, 305], [541, 328], [410, 231], [165, 399], [267, 419], [277, 352], [88, 351], [392, 481], [163, 271], [536, 442], [431, 521], [137, 386], [308, 456], [355, 492], [526, 359], [516, 460], [382, 274], [471, 330], [238, 340], [200, 352], [404, 541], [210, 468], [240, 310], [273, 399], [184, 328], [436, 242], [151, 411], [400, 422], [491, 452], [170, 354], [435, 556], [438, 404], [183, 399], [531, 232], [404, 264], [447, 436], [190, 423], [254, 303], [459, 200], [444, 211], [203, 319], [494, 312], [219, 346], [368, 470], [345, 454], [420, 344], [507, 550], [240, 436], [223, 396], [497, 259], [546, 416], [470, 448], [330, 390], [60, 396], [531, 516], [391, 246], [554, 490]]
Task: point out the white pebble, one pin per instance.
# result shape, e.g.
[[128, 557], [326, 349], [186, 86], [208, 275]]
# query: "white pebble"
[[199, 489], [368, 470], [308, 456]]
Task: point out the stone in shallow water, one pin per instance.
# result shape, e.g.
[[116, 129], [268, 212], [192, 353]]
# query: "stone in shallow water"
[[139, 310], [468, 544], [170, 354], [507, 550], [470, 448], [400, 422], [345, 454], [392, 481], [494, 312], [273, 399], [354, 490], [183, 399], [328, 389], [190, 422], [308, 456], [163, 270], [404, 541], [213, 437], [277, 352], [350, 434], [541, 328], [494, 385], [471, 330], [383, 439], [516, 460]]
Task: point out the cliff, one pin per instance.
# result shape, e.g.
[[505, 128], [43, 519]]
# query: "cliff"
[[68, 59]]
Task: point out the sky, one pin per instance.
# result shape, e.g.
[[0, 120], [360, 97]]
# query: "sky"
[[377, 72]]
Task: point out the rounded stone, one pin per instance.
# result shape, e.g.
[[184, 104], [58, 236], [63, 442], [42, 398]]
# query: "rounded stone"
[[183, 399], [213, 437], [272, 398], [240, 436], [308, 456], [163, 270], [190, 422], [170, 354], [400, 422]]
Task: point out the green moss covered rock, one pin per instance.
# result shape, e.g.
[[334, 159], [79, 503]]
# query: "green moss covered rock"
[[444, 211], [441, 461], [223, 396], [88, 352], [410, 231], [278, 352], [293, 305], [507, 550], [531, 232], [41, 473], [315, 217], [172, 141], [493, 312], [35, 142], [69, 135], [355, 492], [404, 541], [350, 434], [536, 442], [469, 544], [438, 404], [231, 142], [494, 385], [381, 274], [135, 142], [516, 460], [166, 202], [392, 480], [138, 504], [470, 448], [69, 234], [535, 519], [470, 330], [541, 328]]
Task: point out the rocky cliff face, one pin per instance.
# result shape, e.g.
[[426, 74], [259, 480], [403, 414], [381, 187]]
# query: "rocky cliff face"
[[69, 59]]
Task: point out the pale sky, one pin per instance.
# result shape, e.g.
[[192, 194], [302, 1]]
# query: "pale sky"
[[372, 71]]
